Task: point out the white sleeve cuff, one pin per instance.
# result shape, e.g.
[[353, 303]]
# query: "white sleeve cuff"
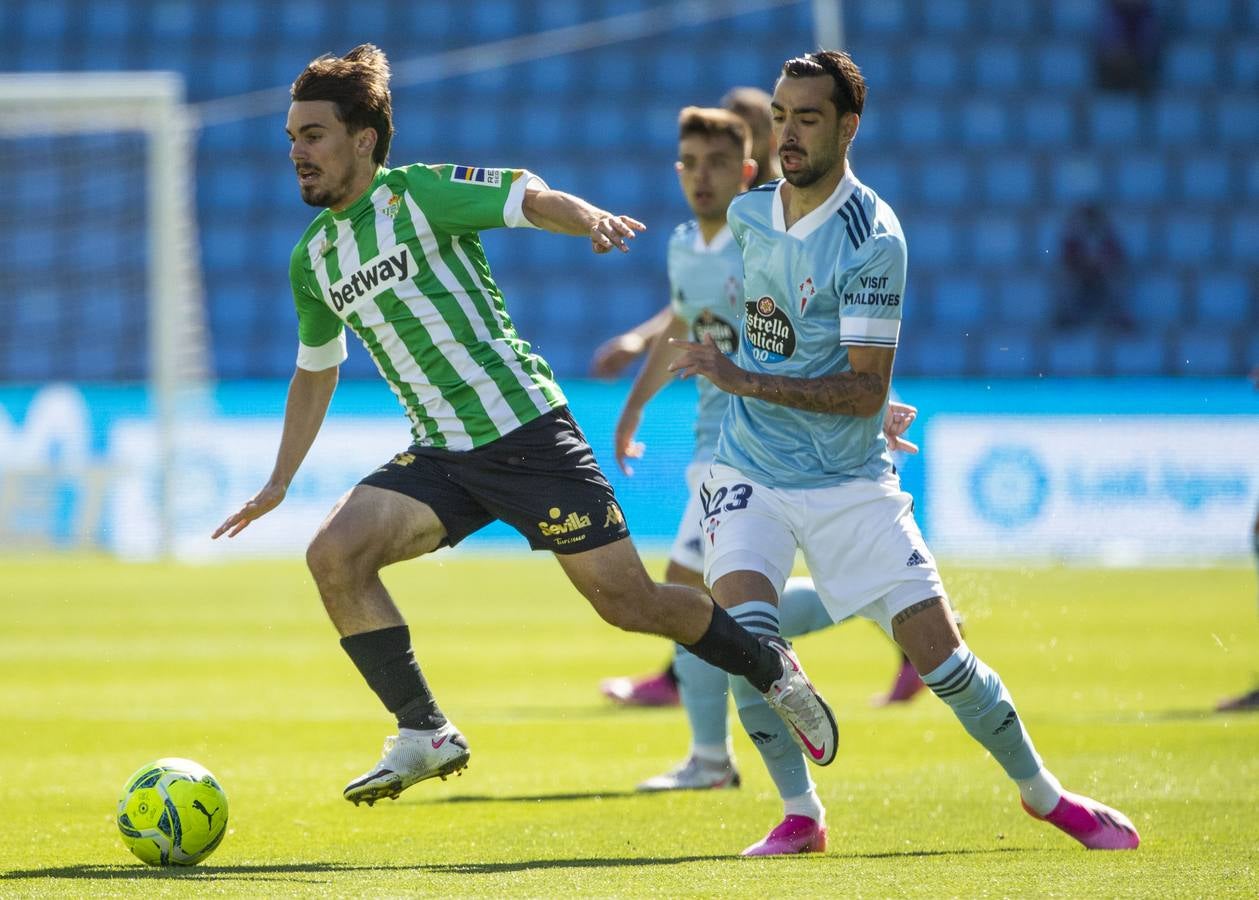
[[514, 212], [869, 332], [325, 356]]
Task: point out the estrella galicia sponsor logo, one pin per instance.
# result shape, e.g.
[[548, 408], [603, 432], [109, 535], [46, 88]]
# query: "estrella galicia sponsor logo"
[[722, 332], [565, 529], [768, 331], [1009, 486], [872, 291], [379, 275]]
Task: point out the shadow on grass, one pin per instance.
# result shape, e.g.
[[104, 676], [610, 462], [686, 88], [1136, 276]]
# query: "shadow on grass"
[[276, 872], [538, 798]]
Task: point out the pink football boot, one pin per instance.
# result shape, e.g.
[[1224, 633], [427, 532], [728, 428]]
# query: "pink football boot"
[[1093, 824], [794, 834], [652, 690]]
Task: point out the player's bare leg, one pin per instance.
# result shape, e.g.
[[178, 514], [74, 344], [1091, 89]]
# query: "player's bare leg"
[[926, 631], [369, 529], [659, 688]]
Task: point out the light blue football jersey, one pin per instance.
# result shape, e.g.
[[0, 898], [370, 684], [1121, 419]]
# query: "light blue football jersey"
[[836, 279], [706, 289]]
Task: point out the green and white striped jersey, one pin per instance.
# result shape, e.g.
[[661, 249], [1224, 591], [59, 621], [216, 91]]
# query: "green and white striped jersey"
[[404, 268]]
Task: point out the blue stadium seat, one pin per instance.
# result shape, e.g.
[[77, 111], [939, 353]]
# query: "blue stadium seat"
[[1225, 298], [109, 20], [933, 239], [884, 174], [943, 181], [1141, 177], [922, 124], [1074, 354], [1245, 64], [999, 67], [1077, 178], [1025, 299], [1048, 121], [1000, 17], [1206, 178], [1010, 180], [960, 299], [1179, 119], [235, 22], [934, 67], [1250, 352], [985, 124], [301, 22], [951, 17], [1208, 17], [1191, 64], [1142, 354], [1063, 65], [495, 19], [677, 71], [1251, 179], [1237, 120], [1115, 120], [1244, 238], [1010, 354], [43, 21], [230, 72], [1138, 234], [943, 355], [885, 17], [1210, 352], [1158, 300], [878, 129], [997, 241], [551, 75], [881, 67], [1189, 238], [556, 14], [1076, 18]]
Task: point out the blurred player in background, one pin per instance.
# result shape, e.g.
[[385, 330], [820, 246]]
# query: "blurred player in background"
[[395, 254], [752, 105], [801, 460], [706, 298], [1250, 699]]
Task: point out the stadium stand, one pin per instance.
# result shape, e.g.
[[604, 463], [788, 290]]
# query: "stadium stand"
[[985, 129]]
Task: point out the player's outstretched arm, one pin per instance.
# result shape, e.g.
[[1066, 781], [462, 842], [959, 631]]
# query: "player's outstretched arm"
[[613, 355], [860, 392], [651, 378], [564, 213], [304, 411]]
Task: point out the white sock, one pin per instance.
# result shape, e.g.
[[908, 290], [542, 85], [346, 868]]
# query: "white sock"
[[1041, 792], [806, 804], [714, 754]]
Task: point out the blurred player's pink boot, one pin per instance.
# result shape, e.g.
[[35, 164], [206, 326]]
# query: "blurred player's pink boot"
[[1093, 824], [904, 688], [1248, 701], [794, 834], [653, 690]]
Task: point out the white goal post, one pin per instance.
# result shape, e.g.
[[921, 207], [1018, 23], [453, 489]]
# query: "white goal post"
[[151, 104]]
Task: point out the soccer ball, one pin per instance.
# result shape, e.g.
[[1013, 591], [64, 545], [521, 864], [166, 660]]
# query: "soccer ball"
[[172, 812]]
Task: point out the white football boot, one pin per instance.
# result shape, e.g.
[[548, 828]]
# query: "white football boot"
[[799, 704], [694, 775], [409, 757]]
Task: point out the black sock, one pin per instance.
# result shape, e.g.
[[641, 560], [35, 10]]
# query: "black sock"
[[387, 662], [729, 646]]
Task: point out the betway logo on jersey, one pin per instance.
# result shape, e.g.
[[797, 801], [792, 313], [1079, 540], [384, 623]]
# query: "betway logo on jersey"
[[391, 268]]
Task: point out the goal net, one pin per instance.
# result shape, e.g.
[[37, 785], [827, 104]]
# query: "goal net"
[[102, 288]]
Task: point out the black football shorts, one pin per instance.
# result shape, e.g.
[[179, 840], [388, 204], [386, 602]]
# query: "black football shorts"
[[541, 479]]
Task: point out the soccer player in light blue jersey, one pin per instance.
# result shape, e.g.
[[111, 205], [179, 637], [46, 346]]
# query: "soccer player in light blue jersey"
[[706, 298], [801, 461]]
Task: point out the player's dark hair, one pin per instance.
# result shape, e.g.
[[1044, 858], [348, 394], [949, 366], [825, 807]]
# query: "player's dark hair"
[[357, 84], [849, 94], [715, 123]]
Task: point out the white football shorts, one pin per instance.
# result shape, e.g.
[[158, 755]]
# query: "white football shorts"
[[859, 540], [688, 545]]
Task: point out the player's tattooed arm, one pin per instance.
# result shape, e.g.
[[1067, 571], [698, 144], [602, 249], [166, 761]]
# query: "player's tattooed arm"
[[845, 394], [860, 392]]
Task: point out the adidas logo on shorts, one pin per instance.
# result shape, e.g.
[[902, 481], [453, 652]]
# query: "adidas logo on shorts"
[[916, 559]]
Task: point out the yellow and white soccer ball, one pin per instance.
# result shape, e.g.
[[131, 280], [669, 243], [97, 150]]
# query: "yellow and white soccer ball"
[[172, 813]]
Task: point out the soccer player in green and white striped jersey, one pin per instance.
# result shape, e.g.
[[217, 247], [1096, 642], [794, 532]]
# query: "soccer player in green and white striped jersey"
[[395, 255]]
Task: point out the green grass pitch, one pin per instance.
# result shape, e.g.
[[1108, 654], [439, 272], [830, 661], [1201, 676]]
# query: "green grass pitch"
[[105, 666]]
